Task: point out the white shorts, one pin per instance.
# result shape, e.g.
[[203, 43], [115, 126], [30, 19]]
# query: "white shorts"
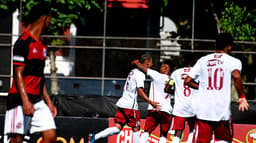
[[16, 122]]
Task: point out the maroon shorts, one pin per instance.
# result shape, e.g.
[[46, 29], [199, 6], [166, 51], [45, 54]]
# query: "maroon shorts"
[[129, 117], [223, 130], [178, 123], [157, 117]]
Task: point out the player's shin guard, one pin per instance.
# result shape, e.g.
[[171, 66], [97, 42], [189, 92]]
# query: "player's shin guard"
[[107, 132], [136, 137], [144, 137]]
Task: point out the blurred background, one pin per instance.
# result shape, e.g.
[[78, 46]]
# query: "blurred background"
[[92, 42]]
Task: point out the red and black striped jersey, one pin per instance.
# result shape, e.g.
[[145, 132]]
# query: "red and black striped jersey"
[[31, 54]]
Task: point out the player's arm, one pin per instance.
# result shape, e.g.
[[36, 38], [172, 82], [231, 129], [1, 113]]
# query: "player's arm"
[[48, 101], [190, 82], [139, 65], [145, 97], [243, 104], [28, 108]]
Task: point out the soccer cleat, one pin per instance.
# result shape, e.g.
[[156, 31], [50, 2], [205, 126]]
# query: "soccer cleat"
[[91, 138]]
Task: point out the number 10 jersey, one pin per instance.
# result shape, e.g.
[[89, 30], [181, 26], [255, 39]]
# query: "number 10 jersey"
[[215, 75]]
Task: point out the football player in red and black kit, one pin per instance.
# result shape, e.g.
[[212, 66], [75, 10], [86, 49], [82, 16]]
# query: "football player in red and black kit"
[[29, 107]]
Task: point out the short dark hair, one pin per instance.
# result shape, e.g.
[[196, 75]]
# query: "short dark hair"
[[38, 10], [223, 40], [145, 57]]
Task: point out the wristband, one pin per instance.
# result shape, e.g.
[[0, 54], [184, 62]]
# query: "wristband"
[[242, 96]]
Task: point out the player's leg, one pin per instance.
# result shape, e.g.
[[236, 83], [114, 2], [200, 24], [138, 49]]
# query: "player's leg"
[[134, 123], [136, 134], [16, 138], [203, 131], [43, 121], [223, 132], [150, 125], [49, 136], [165, 121], [178, 124], [144, 137], [14, 125], [191, 124], [108, 131], [120, 120]]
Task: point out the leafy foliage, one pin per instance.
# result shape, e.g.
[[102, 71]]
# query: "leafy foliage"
[[64, 12], [239, 21]]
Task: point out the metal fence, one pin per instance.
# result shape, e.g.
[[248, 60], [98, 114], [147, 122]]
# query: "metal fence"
[[88, 66]]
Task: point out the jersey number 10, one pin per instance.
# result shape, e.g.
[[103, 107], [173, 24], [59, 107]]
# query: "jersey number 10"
[[215, 78]]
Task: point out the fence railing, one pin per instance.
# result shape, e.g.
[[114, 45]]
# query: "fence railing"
[[79, 60]]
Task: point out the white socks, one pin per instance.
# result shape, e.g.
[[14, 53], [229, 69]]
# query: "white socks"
[[190, 137], [162, 140], [175, 139], [107, 132], [144, 137], [136, 137]]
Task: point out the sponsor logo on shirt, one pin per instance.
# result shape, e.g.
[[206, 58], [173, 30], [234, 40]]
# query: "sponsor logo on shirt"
[[34, 50]]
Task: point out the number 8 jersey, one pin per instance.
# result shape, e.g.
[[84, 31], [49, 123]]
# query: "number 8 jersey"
[[215, 74]]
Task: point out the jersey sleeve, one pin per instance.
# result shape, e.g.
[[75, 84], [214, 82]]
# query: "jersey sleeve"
[[20, 52], [173, 74], [194, 72], [236, 65], [153, 74], [140, 78]]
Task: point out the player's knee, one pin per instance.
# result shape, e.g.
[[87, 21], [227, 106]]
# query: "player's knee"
[[136, 129], [49, 136]]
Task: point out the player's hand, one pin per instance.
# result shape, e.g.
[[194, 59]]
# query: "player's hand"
[[156, 105], [243, 104], [53, 110], [134, 62], [28, 108]]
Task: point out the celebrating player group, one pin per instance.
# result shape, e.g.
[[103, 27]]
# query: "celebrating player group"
[[202, 97], [202, 93]]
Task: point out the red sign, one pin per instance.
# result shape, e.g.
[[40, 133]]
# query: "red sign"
[[243, 133], [128, 3]]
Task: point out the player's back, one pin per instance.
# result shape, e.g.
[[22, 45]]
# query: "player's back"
[[183, 94], [134, 80], [215, 72]]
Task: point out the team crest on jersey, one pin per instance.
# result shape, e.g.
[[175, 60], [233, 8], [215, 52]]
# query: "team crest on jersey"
[[251, 136]]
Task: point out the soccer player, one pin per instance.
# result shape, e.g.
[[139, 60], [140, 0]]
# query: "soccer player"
[[214, 96], [128, 113], [29, 107], [162, 115], [183, 109]]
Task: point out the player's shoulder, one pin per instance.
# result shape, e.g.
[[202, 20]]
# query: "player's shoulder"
[[24, 38], [137, 71], [183, 69]]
